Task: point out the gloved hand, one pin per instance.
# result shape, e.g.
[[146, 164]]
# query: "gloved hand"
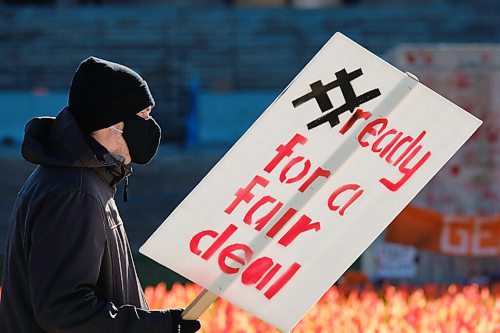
[[180, 325]]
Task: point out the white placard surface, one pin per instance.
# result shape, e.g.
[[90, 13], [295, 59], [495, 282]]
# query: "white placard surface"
[[320, 174]]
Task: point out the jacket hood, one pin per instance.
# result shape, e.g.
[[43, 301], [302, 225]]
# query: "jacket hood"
[[59, 142]]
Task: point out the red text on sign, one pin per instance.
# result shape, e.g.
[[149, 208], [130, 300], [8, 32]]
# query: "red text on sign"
[[396, 148], [232, 258], [301, 225], [286, 151]]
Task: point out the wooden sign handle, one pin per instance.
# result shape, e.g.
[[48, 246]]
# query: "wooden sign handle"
[[199, 305]]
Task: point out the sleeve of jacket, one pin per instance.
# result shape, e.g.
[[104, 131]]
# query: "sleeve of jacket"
[[67, 244]]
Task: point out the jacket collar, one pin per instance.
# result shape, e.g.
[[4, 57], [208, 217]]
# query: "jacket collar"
[[59, 142], [113, 169]]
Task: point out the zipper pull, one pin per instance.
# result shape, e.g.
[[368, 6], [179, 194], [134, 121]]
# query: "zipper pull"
[[125, 190]]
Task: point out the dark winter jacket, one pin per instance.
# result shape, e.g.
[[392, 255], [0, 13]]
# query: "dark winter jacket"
[[68, 265]]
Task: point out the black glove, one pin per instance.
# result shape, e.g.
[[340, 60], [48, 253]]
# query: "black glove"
[[180, 325]]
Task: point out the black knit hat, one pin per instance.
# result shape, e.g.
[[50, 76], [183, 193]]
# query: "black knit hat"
[[104, 93]]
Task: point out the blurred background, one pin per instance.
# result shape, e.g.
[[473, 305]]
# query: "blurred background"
[[214, 66]]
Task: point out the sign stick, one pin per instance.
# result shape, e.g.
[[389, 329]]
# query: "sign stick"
[[199, 305]]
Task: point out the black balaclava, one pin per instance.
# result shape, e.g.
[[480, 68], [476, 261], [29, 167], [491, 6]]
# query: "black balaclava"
[[104, 93]]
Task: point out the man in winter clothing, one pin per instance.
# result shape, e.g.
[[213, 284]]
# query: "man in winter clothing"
[[68, 265]]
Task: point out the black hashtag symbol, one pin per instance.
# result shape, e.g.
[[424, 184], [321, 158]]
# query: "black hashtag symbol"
[[352, 101]]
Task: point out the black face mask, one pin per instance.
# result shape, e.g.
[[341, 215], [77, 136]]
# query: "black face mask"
[[142, 137]]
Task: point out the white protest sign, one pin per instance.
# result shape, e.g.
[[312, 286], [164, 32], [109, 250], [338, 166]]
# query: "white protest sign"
[[311, 184]]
